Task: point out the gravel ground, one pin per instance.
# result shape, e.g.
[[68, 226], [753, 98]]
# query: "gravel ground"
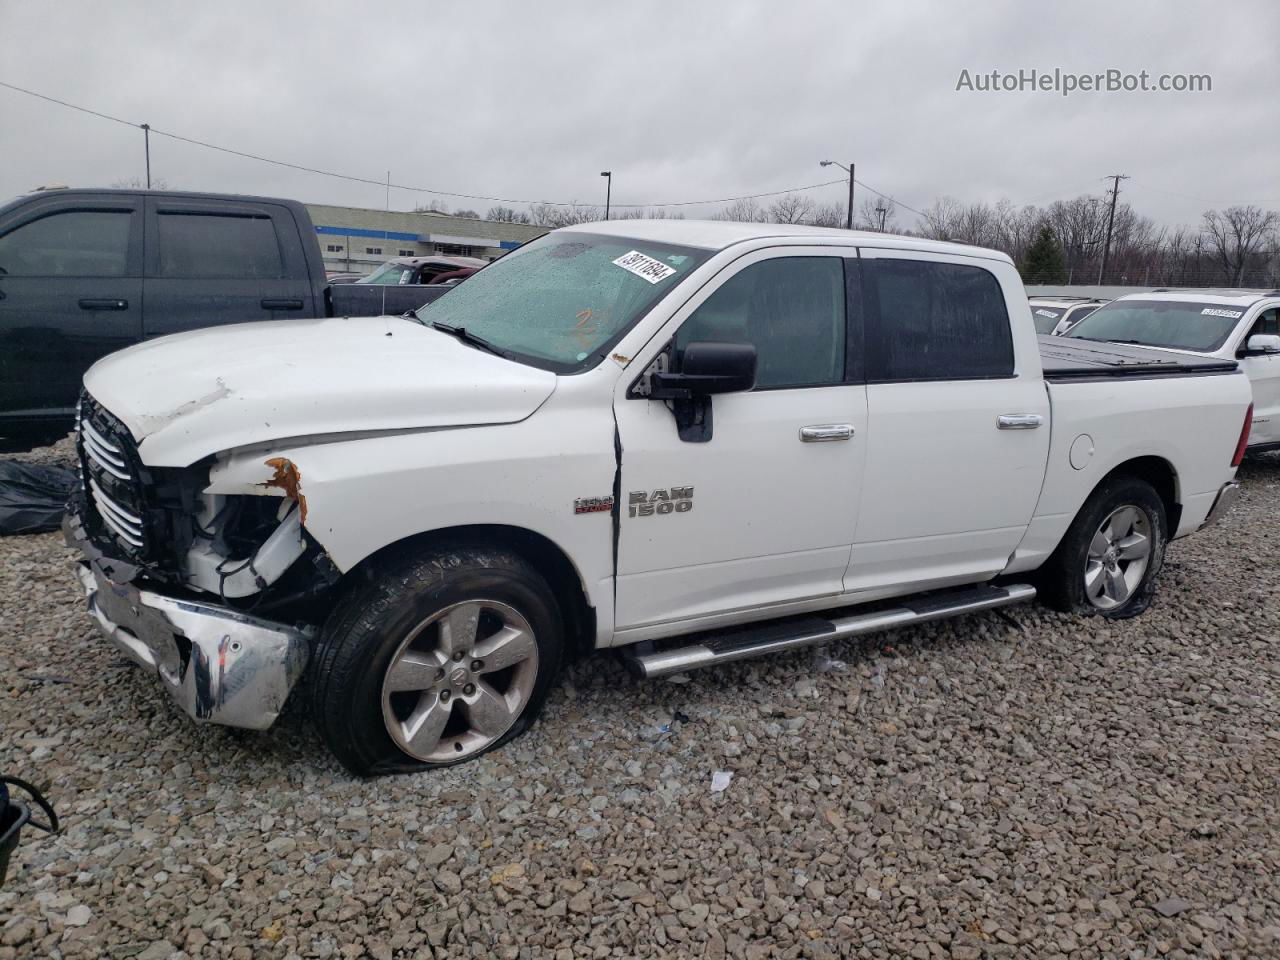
[[1035, 785]]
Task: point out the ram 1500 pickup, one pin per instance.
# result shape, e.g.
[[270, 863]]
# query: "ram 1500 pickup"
[[86, 272], [694, 442]]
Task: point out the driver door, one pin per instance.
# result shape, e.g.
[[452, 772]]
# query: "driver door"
[[762, 513]]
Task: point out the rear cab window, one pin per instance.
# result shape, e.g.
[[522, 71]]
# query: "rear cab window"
[[929, 320], [218, 245]]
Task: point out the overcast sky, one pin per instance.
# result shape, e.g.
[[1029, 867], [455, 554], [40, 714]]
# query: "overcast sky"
[[681, 101]]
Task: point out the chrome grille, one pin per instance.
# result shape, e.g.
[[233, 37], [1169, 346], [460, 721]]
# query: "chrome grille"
[[109, 468]]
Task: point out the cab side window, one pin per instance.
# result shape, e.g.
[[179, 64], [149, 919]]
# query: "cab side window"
[[934, 321], [792, 309], [74, 243]]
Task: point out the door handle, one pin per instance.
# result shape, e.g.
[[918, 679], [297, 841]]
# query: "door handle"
[[825, 432], [281, 304], [1018, 421], [90, 304]]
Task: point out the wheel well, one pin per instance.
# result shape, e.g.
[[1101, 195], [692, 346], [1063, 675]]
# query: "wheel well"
[[1160, 474], [541, 553]]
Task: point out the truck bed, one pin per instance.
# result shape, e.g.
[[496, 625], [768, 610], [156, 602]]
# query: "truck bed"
[[1067, 359]]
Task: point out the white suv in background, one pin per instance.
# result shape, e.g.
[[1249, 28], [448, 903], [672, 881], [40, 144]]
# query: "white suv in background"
[[1057, 315], [1241, 325]]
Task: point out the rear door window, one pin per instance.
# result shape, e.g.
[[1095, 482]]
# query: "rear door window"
[[215, 245], [934, 321]]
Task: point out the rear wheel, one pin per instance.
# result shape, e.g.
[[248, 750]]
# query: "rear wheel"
[[435, 660], [1108, 560]]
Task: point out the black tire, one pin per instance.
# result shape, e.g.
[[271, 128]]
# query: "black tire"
[[367, 627], [1062, 579]]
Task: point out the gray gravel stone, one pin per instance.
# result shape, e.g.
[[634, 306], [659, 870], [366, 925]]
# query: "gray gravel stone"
[[1034, 787]]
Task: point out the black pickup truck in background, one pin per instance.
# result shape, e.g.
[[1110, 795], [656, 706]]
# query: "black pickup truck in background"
[[86, 272]]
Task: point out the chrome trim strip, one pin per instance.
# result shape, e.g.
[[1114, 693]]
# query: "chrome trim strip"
[[105, 444], [123, 514]]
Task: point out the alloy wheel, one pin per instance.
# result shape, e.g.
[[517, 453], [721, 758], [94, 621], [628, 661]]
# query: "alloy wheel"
[[459, 680]]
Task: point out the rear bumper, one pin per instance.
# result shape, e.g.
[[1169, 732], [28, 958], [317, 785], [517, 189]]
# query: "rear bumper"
[[1226, 498], [220, 665]]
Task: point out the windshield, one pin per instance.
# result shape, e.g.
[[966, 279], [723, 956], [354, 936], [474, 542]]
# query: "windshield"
[[390, 273], [1046, 318], [1203, 327], [562, 301]]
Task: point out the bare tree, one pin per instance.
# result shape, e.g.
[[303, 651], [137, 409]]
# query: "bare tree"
[[942, 219], [137, 183], [828, 215], [1236, 234], [563, 215], [506, 215], [644, 213], [869, 215], [790, 208], [469, 214], [743, 211]]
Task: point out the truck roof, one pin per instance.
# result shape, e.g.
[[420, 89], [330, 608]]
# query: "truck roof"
[[1225, 296], [719, 234], [144, 192]]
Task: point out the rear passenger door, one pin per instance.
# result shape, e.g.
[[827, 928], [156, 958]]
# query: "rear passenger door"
[[950, 482], [212, 262], [70, 292]]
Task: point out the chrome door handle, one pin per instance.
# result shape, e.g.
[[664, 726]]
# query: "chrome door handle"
[[824, 432], [1018, 421]]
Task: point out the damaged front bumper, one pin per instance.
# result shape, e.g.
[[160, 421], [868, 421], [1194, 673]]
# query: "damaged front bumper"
[[220, 665]]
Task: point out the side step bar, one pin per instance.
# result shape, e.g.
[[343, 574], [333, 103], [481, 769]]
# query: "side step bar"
[[756, 641]]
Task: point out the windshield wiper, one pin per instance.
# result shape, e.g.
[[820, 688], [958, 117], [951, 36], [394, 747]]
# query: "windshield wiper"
[[469, 338]]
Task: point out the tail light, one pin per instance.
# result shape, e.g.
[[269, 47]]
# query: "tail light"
[[1244, 437]]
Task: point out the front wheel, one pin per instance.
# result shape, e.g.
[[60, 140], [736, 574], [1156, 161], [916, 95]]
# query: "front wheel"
[[435, 660], [1108, 560]]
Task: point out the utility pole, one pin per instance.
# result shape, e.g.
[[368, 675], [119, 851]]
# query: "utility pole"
[[146, 136], [608, 190], [1111, 220], [881, 211], [848, 219], [388, 190]]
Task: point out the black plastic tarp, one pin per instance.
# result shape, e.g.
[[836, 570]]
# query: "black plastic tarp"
[[33, 496]]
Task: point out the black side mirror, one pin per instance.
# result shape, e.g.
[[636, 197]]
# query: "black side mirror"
[[708, 367]]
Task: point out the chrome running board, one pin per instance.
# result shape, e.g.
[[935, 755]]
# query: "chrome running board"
[[757, 640]]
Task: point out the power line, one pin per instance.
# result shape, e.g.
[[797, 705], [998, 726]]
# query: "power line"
[[894, 200], [399, 186]]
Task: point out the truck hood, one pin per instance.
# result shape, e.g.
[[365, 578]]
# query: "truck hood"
[[193, 394]]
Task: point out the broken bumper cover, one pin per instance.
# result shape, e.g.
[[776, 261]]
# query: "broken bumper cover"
[[220, 665]]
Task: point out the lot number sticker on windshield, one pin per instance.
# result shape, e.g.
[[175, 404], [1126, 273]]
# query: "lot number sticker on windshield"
[[1229, 314], [644, 267], [1047, 313]]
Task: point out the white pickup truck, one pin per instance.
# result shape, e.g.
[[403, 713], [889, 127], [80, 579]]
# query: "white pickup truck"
[[696, 442], [1241, 325]]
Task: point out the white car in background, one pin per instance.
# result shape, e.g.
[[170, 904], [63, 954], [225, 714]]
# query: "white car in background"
[[1241, 325], [1057, 315]]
